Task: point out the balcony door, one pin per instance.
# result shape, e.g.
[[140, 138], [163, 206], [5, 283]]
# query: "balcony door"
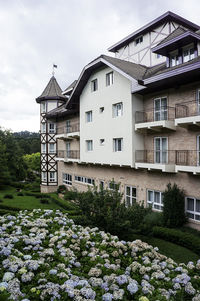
[[198, 150], [160, 109], [160, 150], [68, 148], [68, 126], [198, 102]]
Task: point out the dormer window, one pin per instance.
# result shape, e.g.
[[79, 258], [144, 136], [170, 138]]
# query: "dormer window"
[[188, 54], [174, 59], [139, 40]]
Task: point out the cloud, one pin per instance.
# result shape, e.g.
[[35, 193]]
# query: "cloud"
[[35, 34]]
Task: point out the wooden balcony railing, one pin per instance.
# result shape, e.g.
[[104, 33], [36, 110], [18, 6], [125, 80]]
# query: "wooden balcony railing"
[[177, 157], [187, 109], [72, 154], [69, 129], [165, 113]]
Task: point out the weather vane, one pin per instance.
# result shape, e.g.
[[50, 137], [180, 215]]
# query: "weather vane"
[[54, 66]]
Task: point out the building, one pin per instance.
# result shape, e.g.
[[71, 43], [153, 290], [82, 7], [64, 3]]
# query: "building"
[[134, 118]]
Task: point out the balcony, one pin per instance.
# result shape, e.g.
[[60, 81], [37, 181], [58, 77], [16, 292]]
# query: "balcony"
[[188, 115], [150, 121], [188, 161], [155, 160], [69, 132], [68, 156]]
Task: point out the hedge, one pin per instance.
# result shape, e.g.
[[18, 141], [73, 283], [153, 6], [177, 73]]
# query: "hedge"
[[184, 239]]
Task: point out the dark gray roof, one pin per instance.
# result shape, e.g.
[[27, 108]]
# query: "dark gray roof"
[[177, 32], [60, 111], [52, 91], [71, 86]]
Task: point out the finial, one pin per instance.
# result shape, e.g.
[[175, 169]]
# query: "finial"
[[54, 66]]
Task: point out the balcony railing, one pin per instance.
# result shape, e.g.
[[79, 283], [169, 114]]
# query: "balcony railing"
[[155, 157], [69, 129], [188, 109], [72, 154], [165, 113], [188, 157], [177, 157]]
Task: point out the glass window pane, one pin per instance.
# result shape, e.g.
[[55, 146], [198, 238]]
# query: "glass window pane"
[[134, 192], [197, 205], [190, 204], [128, 190], [157, 197], [157, 104], [150, 196]]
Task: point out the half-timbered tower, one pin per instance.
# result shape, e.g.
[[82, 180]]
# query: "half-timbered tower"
[[50, 99]]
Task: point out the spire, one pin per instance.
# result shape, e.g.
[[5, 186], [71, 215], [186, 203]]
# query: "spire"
[[51, 92]]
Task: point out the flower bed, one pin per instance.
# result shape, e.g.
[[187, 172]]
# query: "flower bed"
[[45, 256]]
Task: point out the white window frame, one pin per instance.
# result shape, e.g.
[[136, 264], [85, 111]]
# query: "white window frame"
[[52, 127], [101, 110], [43, 148], [198, 101], [67, 179], [174, 59], [94, 85], [114, 184], [84, 180], [116, 144], [139, 40], [68, 148], [44, 176], [198, 150], [118, 109], [162, 111], [88, 116], [52, 148], [194, 212], [131, 197], [190, 55], [109, 78], [89, 145], [161, 151], [52, 176], [43, 107], [102, 142], [68, 126], [43, 128], [153, 203]]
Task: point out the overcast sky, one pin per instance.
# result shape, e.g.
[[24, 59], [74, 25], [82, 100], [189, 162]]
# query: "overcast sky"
[[70, 33]]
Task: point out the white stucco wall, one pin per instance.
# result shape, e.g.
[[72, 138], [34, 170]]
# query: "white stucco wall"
[[104, 125]]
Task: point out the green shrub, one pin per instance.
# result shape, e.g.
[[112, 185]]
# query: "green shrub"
[[1, 201], [174, 206], [150, 220], [17, 185], [71, 195], [44, 201], [8, 196], [187, 240], [61, 189], [20, 194], [136, 214]]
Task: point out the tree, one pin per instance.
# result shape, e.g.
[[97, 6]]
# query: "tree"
[[33, 161], [174, 206]]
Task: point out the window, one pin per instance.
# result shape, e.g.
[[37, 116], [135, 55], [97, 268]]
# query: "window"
[[43, 107], [52, 147], [101, 184], [102, 142], [139, 40], [109, 79], [43, 129], [44, 176], [52, 176], [118, 109], [84, 180], [198, 150], [160, 109], [113, 186], [193, 208], [174, 59], [161, 150], [67, 179], [155, 198], [117, 144], [101, 110], [198, 102], [158, 56], [68, 126], [68, 148], [89, 145], [94, 85], [52, 127], [43, 148], [188, 54], [130, 195], [88, 116]]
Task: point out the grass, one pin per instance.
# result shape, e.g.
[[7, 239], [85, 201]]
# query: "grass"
[[177, 253]]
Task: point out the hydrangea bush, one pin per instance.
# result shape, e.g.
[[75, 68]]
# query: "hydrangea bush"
[[45, 256]]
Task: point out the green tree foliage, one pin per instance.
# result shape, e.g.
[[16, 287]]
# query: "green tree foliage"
[[29, 142], [4, 174], [174, 206], [33, 161]]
